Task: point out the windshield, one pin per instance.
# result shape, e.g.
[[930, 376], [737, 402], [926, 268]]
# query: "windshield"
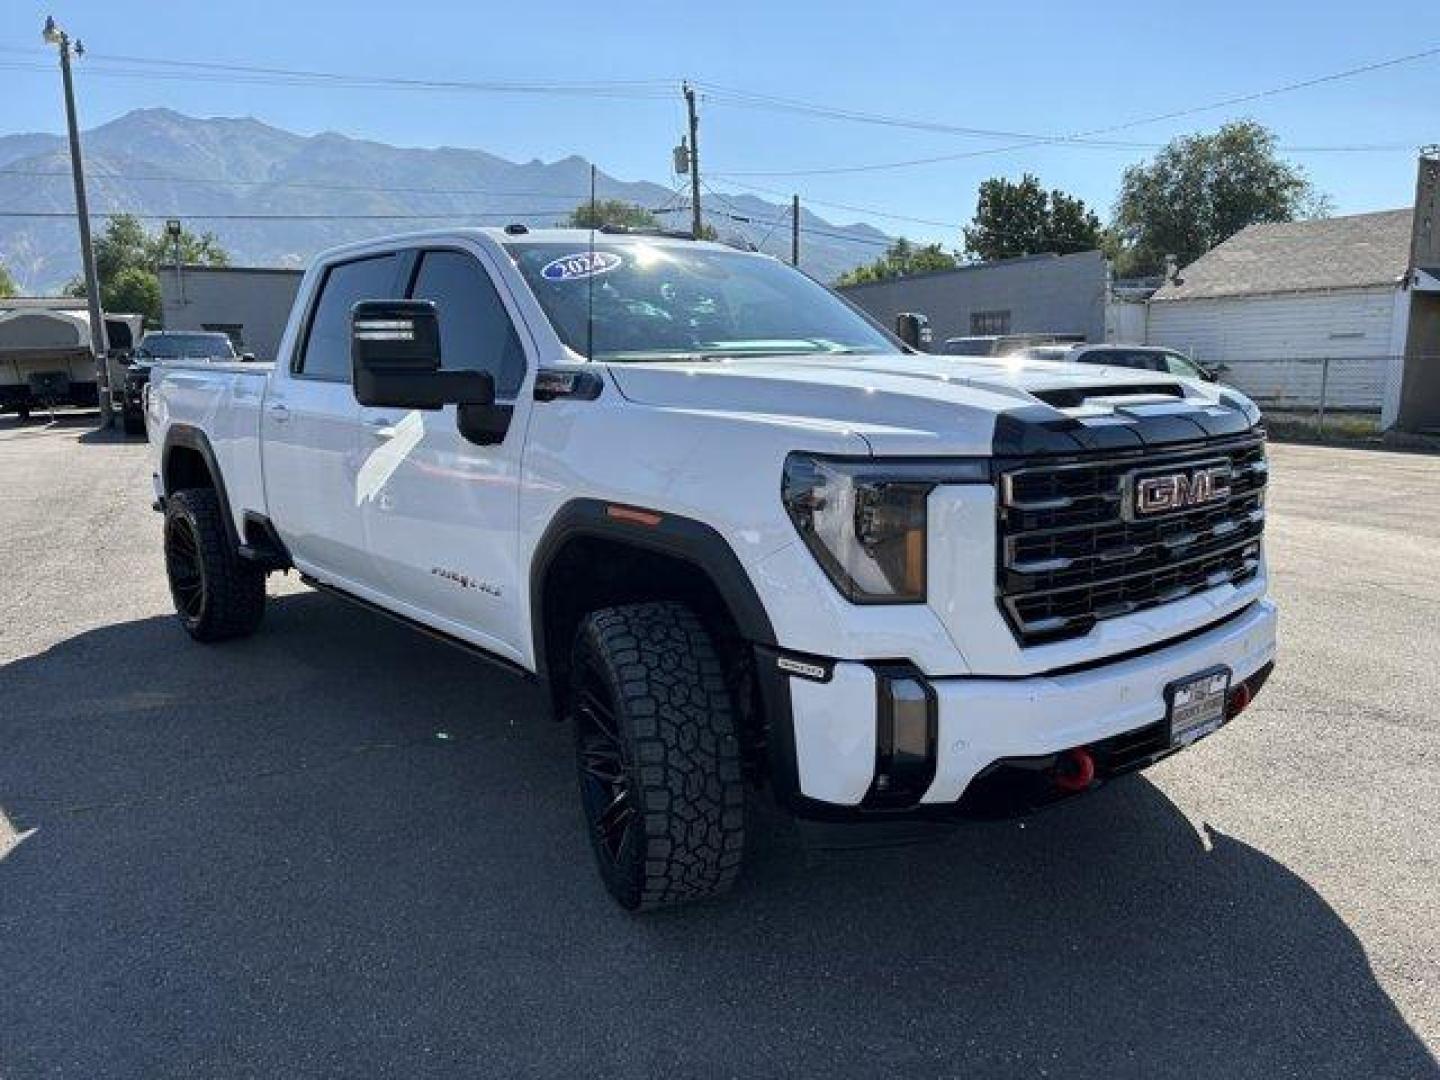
[[668, 301], [189, 345]]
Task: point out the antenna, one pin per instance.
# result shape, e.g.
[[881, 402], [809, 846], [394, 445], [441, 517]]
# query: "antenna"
[[590, 276]]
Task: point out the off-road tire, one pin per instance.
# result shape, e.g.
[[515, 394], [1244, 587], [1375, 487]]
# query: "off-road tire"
[[134, 422], [678, 754], [217, 594]]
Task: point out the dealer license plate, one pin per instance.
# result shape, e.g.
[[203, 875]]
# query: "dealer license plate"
[[1195, 705]]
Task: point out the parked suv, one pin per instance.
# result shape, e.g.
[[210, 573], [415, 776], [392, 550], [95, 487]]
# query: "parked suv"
[[733, 529]]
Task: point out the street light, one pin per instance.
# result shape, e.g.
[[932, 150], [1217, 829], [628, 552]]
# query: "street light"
[[54, 35]]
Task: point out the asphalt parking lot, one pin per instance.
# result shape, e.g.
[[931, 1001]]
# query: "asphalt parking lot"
[[342, 849]]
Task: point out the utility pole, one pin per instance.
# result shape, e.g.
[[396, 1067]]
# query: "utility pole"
[[696, 222], [794, 230], [53, 35]]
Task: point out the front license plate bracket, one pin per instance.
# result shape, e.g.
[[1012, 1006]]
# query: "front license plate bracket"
[[1195, 705]]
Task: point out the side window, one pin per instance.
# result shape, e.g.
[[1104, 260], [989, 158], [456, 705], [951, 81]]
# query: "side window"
[[327, 345], [476, 333]]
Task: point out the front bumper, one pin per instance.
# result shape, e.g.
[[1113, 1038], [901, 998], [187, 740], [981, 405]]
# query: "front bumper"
[[832, 758]]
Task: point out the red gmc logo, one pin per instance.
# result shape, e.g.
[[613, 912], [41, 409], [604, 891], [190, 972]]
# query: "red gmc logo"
[[1165, 493]]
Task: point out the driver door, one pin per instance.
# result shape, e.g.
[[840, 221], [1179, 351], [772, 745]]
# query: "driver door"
[[440, 511]]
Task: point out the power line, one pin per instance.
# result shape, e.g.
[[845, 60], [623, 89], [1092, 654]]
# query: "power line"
[[216, 71], [443, 215], [870, 210], [1081, 138], [298, 184]]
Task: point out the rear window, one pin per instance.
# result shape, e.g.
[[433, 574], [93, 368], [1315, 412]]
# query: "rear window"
[[193, 346], [968, 347], [1129, 358], [327, 345]]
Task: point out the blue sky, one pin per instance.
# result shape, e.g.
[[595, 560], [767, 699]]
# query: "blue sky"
[[1047, 68]]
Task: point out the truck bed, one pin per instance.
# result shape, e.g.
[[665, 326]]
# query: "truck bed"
[[223, 400]]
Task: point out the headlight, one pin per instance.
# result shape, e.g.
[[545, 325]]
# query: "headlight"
[[864, 521]]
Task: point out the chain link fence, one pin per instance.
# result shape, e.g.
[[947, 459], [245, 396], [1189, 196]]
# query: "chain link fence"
[[1325, 394]]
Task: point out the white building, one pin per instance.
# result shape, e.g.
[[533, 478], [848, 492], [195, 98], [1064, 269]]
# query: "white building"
[[1288, 306]]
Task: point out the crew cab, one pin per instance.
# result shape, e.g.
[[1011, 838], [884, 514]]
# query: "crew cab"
[[739, 533]]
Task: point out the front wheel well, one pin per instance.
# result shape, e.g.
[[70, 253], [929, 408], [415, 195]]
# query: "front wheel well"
[[186, 467], [589, 573]]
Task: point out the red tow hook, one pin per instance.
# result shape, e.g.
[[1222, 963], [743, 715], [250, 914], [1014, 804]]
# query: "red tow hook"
[[1240, 697], [1075, 771]]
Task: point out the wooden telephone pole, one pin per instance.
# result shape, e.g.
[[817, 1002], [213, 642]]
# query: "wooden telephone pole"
[[794, 230], [99, 345], [697, 224]]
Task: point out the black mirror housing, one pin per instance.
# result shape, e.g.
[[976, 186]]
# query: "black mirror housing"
[[913, 329], [395, 359]]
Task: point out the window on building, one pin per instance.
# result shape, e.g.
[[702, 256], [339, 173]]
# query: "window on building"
[[327, 345], [476, 333], [989, 322]]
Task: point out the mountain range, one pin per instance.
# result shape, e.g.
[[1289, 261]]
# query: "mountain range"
[[225, 175]]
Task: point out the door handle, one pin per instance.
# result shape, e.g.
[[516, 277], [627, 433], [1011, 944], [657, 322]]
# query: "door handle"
[[382, 427], [280, 412]]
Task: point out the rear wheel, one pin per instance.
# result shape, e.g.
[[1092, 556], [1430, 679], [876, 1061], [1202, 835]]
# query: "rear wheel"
[[217, 594], [658, 757]]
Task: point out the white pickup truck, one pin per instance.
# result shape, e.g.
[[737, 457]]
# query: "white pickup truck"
[[740, 533]]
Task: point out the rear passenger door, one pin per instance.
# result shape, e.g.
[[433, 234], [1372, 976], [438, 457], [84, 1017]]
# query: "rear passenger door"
[[310, 431], [441, 511]]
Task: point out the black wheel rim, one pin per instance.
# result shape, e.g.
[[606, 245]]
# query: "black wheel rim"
[[182, 563], [606, 788]]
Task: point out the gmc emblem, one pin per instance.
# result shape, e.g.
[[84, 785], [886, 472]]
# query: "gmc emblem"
[[1165, 493]]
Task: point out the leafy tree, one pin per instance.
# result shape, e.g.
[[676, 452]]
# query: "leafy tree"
[[901, 259], [1202, 189], [1023, 219], [128, 259], [7, 283], [612, 212], [133, 289]]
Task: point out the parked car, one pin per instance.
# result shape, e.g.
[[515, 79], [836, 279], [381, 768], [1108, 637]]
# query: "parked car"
[[163, 345], [733, 530], [999, 344], [1143, 357]]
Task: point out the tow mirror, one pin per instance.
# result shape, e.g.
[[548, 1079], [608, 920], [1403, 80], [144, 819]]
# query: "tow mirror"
[[395, 357], [914, 330]]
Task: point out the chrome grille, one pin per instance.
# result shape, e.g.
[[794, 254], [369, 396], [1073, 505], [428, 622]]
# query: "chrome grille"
[[1070, 553]]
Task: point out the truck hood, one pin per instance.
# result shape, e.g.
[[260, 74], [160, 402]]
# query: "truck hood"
[[923, 404]]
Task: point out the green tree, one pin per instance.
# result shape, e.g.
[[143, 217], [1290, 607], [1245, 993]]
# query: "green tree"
[[1202, 189], [133, 290], [7, 283], [901, 259], [612, 212], [128, 258], [1022, 218]]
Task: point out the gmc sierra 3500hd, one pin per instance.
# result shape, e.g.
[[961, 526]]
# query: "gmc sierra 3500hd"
[[735, 529]]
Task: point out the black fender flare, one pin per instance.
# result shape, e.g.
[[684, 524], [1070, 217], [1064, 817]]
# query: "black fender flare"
[[189, 437], [654, 530]]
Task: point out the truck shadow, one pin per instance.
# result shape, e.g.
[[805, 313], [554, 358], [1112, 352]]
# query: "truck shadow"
[[341, 848]]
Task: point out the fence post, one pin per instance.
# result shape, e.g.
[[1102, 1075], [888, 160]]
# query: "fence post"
[[1324, 389]]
